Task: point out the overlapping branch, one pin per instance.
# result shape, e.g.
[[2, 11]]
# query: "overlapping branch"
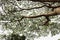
[[45, 4], [45, 15]]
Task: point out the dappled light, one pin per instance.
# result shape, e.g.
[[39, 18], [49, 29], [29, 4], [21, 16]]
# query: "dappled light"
[[33, 20]]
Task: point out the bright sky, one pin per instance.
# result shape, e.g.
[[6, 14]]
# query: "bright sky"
[[49, 37]]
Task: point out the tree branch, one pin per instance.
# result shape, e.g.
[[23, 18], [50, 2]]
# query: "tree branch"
[[53, 13], [45, 4], [49, 14], [49, 6]]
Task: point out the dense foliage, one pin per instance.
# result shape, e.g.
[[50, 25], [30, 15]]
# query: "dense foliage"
[[29, 27]]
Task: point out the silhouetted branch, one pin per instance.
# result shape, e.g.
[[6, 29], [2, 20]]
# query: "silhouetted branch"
[[53, 13], [45, 4]]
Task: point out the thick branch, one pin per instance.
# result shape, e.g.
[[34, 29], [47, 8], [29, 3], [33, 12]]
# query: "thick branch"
[[49, 14], [53, 13]]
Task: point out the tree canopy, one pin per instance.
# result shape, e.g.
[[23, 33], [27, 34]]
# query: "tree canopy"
[[13, 17]]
